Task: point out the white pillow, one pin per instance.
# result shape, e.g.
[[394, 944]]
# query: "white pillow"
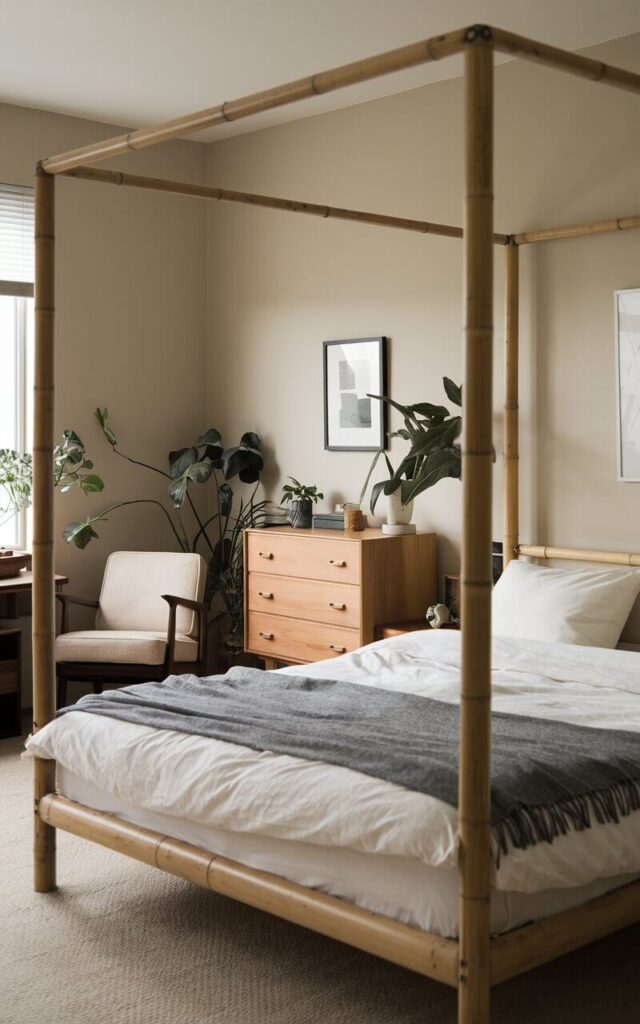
[[570, 606]]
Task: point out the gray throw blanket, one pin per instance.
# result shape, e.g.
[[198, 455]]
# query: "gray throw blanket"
[[547, 777]]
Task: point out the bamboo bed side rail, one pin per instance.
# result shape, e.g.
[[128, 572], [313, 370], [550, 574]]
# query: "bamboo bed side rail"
[[564, 60], [579, 554], [598, 227], [423, 52], [525, 948], [420, 951], [182, 188]]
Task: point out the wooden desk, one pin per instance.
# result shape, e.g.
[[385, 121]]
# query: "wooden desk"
[[15, 586]]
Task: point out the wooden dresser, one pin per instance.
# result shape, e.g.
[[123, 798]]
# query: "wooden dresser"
[[314, 594]]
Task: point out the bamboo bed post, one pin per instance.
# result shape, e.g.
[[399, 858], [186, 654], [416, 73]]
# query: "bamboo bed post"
[[511, 453], [44, 701], [477, 466]]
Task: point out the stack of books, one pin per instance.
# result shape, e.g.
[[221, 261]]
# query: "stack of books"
[[328, 521]]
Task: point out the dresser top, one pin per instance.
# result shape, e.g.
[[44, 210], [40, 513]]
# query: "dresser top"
[[370, 533]]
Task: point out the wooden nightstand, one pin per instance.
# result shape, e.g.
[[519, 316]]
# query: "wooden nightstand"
[[313, 594], [410, 626]]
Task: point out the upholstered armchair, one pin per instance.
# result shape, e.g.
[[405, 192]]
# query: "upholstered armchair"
[[150, 622]]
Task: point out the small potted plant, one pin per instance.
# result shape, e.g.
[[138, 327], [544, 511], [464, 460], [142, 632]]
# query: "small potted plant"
[[432, 433], [302, 498]]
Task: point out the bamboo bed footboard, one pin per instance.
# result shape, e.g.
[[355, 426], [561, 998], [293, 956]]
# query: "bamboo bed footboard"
[[477, 961], [422, 952]]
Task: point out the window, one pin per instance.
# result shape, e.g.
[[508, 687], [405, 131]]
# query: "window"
[[16, 339]]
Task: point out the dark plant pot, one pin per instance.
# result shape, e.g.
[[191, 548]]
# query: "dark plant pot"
[[300, 514]]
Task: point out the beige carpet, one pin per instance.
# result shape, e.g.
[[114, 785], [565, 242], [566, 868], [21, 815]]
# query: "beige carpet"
[[120, 943]]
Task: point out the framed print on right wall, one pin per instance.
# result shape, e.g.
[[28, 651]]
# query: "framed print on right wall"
[[627, 321]]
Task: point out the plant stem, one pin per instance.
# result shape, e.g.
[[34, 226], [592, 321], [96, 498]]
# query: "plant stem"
[[139, 501]]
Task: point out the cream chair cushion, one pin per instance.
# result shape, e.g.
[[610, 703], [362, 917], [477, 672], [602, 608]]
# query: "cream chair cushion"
[[132, 588], [123, 647]]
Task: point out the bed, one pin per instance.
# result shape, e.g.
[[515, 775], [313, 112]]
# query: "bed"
[[371, 842], [476, 960]]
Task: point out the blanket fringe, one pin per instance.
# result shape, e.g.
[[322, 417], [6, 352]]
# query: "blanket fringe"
[[526, 825]]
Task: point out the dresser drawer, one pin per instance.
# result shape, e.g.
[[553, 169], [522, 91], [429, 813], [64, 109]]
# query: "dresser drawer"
[[276, 636], [308, 557], [337, 603]]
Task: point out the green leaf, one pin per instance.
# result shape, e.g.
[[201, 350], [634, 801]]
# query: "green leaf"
[[200, 471], [102, 417], [178, 491], [79, 533], [180, 461], [437, 413], [376, 491], [454, 393], [91, 484]]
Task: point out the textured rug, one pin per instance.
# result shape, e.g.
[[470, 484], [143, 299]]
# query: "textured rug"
[[120, 943]]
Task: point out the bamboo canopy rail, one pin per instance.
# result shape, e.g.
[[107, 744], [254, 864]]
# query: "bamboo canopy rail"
[[476, 961]]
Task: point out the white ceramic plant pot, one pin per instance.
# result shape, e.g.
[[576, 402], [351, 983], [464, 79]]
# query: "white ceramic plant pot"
[[397, 513]]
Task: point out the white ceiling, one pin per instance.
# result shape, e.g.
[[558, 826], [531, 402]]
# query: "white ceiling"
[[137, 62]]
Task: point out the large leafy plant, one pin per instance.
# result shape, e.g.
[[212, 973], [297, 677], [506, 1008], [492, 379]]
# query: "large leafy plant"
[[71, 468], [432, 432], [217, 536]]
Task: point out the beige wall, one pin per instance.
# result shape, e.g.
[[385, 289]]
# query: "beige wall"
[[130, 327], [279, 284]]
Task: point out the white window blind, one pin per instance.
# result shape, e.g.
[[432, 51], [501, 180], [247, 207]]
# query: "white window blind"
[[16, 236]]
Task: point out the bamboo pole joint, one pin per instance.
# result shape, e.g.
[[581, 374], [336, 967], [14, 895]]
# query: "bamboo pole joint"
[[478, 33]]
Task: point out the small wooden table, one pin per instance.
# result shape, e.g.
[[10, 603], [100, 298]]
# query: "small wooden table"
[[389, 629], [12, 587]]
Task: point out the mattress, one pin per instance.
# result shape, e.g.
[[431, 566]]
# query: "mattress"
[[402, 888]]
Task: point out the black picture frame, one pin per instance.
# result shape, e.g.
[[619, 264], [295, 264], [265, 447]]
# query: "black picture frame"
[[331, 430]]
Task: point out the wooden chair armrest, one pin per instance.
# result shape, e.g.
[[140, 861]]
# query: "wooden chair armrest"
[[68, 599], [196, 606], [185, 602], [87, 602]]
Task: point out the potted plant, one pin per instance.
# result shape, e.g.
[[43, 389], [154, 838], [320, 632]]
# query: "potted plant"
[[302, 498], [433, 454], [218, 535]]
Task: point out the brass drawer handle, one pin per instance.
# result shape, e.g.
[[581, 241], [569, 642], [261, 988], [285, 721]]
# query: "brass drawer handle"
[[338, 607], [338, 650], [265, 554], [265, 594], [338, 564], [266, 636]]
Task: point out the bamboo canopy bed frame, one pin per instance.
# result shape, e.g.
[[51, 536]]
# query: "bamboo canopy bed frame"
[[476, 961]]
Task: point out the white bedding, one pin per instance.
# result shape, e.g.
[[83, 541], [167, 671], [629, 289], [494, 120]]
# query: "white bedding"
[[233, 788], [402, 888]]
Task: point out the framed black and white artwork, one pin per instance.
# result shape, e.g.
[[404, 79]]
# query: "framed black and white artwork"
[[627, 312], [354, 370]]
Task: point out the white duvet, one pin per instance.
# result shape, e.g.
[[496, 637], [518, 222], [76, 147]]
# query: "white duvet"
[[234, 788]]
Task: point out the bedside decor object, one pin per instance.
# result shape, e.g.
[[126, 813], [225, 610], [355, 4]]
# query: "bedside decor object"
[[302, 498], [354, 517], [328, 521], [627, 318], [352, 370], [437, 615], [317, 593], [433, 455]]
